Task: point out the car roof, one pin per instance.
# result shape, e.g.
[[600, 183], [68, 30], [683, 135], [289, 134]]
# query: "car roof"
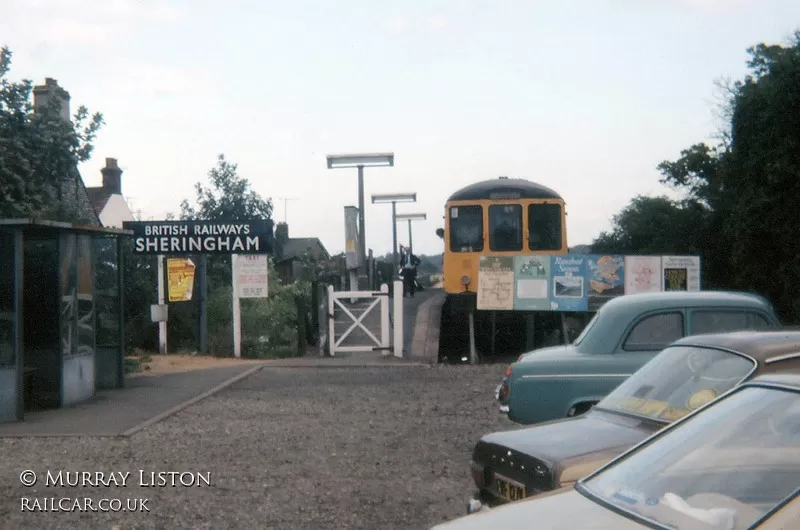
[[691, 298], [761, 345], [787, 379]]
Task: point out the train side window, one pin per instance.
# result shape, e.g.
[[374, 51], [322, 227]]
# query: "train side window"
[[505, 227], [466, 228], [544, 227]]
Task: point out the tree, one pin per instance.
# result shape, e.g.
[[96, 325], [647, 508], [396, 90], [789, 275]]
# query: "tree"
[[39, 151], [658, 225], [228, 198], [742, 197]]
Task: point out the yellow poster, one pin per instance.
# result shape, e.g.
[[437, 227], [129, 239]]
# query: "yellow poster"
[[180, 279]]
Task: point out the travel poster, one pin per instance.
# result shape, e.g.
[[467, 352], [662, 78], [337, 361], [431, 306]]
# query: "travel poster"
[[605, 276], [568, 283], [680, 273], [642, 274], [496, 283], [532, 278]]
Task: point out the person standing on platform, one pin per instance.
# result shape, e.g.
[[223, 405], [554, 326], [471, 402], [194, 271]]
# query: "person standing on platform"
[[409, 264]]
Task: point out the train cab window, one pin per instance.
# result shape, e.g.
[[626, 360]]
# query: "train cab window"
[[466, 228], [544, 227], [505, 227]]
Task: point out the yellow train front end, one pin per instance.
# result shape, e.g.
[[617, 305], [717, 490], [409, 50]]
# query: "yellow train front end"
[[499, 217]]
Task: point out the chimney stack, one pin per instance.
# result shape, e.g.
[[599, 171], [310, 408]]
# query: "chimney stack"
[[44, 94], [282, 231], [112, 177]]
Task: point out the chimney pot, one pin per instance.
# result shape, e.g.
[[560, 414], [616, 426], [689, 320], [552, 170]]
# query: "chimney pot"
[[42, 95], [112, 177]]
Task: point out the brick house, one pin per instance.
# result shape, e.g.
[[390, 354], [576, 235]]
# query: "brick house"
[[289, 265], [94, 206]]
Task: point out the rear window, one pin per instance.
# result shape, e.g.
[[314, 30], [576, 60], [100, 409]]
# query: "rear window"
[[677, 381], [505, 227], [466, 228]]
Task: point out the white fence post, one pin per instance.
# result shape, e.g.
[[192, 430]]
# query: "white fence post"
[[385, 321], [398, 318], [331, 323]]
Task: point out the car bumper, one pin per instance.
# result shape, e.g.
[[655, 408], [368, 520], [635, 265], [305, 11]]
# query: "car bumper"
[[503, 406], [480, 503]]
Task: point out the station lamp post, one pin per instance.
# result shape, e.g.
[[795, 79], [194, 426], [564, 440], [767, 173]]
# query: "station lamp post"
[[361, 161], [410, 217], [394, 198]]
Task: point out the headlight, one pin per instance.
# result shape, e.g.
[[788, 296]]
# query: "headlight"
[[465, 280]]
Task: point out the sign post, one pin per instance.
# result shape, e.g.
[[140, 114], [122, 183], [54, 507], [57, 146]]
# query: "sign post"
[[250, 280], [238, 238], [237, 315], [162, 324]]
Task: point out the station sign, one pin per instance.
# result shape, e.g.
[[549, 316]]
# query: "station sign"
[[201, 237]]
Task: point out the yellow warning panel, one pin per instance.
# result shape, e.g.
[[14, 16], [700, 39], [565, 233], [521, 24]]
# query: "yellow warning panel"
[[180, 279]]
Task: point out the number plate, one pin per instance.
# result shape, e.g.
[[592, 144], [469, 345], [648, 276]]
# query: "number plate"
[[508, 489]]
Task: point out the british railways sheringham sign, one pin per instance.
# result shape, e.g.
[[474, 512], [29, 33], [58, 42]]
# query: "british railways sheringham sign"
[[201, 237]]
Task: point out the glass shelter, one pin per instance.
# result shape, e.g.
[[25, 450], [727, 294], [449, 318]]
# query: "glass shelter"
[[61, 317]]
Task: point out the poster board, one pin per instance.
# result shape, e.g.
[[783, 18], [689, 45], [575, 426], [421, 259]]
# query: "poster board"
[[578, 282]]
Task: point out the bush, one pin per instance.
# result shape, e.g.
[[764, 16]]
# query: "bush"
[[271, 327]]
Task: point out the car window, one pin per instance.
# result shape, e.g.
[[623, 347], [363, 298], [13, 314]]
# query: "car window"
[[655, 332], [723, 469], [721, 321], [759, 322], [677, 381]]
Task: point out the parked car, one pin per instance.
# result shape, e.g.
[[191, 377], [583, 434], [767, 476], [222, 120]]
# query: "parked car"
[[730, 465], [561, 381], [511, 465]]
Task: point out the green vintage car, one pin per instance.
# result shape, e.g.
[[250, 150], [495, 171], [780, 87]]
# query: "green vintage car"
[[563, 381]]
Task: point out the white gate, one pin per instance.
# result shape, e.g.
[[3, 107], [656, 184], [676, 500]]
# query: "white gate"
[[358, 315]]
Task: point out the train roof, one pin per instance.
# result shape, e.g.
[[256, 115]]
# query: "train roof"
[[504, 188]]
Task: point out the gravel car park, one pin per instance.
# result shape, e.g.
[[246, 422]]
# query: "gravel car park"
[[285, 448]]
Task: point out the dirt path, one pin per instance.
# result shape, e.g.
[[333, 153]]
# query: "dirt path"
[[155, 364]]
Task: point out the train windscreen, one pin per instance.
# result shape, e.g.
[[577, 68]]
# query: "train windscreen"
[[505, 227], [544, 227], [466, 228]]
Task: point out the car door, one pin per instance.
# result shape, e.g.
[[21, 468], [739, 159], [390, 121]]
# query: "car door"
[[647, 336]]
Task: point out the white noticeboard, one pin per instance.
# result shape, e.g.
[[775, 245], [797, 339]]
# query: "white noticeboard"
[[252, 276]]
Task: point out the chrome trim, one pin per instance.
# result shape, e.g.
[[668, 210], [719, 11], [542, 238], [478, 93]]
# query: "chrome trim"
[[784, 357], [571, 376]]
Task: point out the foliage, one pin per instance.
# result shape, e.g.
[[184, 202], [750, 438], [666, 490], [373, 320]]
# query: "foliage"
[[39, 151], [742, 197], [271, 327]]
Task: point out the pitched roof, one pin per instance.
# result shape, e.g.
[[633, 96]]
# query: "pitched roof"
[[98, 196], [297, 246]]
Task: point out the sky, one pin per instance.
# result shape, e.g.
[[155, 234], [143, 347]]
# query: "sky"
[[583, 96]]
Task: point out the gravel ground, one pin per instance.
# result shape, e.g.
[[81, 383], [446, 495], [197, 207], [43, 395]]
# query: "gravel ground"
[[373, 448]]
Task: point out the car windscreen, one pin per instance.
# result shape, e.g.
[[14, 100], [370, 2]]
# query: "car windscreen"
[[725, 468], [677, 381]]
